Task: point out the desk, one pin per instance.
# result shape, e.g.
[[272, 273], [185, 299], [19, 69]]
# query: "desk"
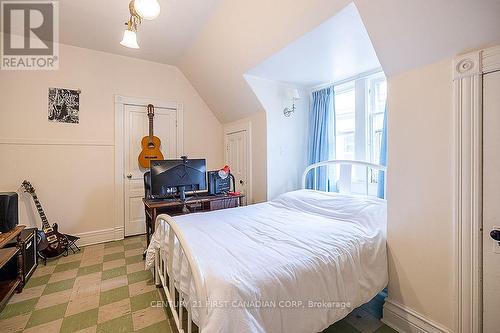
[[202, 203]]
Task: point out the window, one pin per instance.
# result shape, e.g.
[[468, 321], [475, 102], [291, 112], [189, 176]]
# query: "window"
[[376, 110], [345, 122], [359, 121]]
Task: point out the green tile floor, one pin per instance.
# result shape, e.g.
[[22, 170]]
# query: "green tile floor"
[[105, 288]]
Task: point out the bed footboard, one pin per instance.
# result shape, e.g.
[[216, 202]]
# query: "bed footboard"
[[169, 273], [345, 180]]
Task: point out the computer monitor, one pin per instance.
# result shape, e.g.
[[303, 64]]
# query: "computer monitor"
[[175, 177]]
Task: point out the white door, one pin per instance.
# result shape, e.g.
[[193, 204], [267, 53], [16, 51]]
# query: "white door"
[[136, 126], [236, 158], [491, 202]]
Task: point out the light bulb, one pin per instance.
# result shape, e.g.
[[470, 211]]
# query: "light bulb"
[[147, 9]]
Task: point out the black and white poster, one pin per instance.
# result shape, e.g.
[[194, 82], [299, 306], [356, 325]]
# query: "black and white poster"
[[64, 105]]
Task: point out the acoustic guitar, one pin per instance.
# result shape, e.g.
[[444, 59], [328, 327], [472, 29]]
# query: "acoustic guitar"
[[150, 144], [51, 243]]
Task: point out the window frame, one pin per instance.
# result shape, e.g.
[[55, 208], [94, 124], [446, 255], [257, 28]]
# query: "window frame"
[[343, 88], [364, 136]]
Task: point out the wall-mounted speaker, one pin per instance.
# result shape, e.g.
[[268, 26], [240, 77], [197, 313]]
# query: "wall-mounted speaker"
[[8, 211]]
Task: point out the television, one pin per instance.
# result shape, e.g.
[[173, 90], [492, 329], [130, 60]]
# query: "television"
[[171, 178]]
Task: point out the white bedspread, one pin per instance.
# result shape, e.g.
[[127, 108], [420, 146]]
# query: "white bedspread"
[[295, 264]]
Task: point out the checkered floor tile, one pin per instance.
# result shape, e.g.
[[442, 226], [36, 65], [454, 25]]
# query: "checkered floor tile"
[[105, 288]]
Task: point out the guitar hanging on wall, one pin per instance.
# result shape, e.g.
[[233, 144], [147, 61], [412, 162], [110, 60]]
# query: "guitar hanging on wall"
[[150, 144], [51, 243]]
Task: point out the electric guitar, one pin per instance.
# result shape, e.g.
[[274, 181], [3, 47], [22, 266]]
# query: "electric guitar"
[[150, 144], [51, 244]]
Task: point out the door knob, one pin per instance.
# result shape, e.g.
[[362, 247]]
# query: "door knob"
[[129, 176], [241, 182], [495, 234]]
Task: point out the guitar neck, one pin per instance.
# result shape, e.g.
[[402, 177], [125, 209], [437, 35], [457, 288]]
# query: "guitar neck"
[[45, 221], [150, 128]]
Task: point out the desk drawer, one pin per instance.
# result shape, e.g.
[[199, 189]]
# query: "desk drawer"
[[224, 203]]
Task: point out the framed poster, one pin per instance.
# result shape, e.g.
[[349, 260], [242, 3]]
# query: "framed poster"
[[64, 105]]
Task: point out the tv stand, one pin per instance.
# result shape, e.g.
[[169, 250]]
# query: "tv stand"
[[195, 204], [11, 265]]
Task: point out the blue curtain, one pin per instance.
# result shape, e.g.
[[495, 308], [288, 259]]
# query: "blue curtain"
[[321, 136], [383, 159]]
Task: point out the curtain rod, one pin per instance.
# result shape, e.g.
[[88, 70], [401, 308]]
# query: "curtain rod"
[[352, 78]]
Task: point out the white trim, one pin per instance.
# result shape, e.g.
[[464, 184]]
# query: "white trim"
[[180, 129], [120, 102], [468, 70], [403, 319], [99, 236], [145, 101], [240, 126], [348, 79], [119, 214], [48, 142]]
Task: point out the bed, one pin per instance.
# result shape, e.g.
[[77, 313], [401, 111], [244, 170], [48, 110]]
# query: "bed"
[[297, 263]]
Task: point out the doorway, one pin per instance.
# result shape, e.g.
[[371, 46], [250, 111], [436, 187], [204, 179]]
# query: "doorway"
[[491, 198], [477, 121], [132, 124], [237, 154]]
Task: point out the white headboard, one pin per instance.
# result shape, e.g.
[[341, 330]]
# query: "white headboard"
[[345, 176]]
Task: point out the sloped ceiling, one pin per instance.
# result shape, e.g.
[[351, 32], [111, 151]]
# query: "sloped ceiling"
[[99, 25], [405, 34], [408, 34], [337, 49], [215, 42], [240, 35]]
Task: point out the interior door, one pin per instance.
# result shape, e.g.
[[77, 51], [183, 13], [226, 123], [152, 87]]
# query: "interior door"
[[491, 202], [136, 126], [236, 158]]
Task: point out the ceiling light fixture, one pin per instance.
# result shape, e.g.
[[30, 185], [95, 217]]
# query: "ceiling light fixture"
[[147, 9], [130, 39], [139, 10]]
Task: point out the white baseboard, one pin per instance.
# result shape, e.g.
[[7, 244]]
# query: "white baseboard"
[[100, 236], [119, 232], [406, 320]]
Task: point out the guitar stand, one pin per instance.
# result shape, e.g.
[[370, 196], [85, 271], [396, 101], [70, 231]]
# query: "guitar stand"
[[72, 244]]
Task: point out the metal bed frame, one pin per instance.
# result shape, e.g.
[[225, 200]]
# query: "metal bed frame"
[[180, 302], [345, 177]]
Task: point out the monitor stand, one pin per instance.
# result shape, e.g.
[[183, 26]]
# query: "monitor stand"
[[182, 194]]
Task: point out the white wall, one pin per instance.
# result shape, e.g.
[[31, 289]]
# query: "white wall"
[[419, 190], [72, 165], [286, 136]]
